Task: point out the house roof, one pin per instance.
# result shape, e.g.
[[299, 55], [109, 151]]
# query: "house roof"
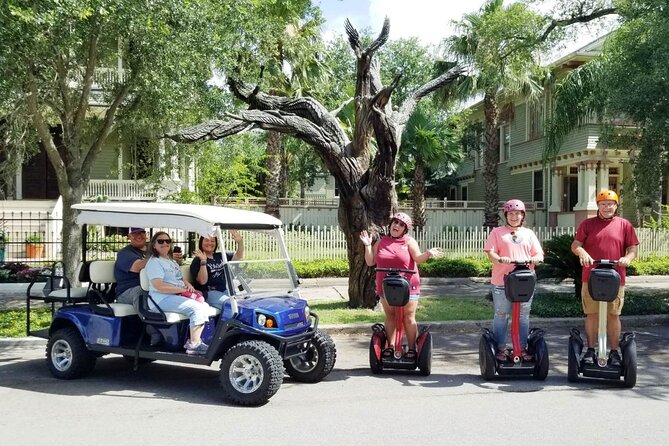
[[189, 217]]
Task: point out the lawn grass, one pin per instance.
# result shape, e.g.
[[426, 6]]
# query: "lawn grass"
[[13, 322], [429, 310]]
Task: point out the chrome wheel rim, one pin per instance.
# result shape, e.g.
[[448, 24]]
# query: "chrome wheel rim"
[[246, 374], [61, 355]]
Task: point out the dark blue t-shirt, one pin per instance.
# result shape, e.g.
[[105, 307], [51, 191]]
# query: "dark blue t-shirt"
[[126, 279], [215, 272]]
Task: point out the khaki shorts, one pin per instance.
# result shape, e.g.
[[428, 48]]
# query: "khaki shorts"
[[592, 306]]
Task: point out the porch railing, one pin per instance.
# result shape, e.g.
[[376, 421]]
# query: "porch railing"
[[120, 190]]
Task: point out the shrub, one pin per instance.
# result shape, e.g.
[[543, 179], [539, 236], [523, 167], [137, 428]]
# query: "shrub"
[[19, 272], [321, 268], [465, 267]]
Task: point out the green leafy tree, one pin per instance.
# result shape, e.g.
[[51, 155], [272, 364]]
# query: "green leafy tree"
[[54, 52]]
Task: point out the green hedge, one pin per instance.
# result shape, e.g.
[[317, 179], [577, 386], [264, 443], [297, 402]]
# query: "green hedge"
[[568, 305]]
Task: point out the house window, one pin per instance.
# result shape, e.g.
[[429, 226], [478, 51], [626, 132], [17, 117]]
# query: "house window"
[[504, 143], [535, 119], [538, 185], [478, 149], [452, 193], [463, 193]]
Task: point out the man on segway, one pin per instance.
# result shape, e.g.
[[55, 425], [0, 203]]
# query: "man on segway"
[[605, 236]]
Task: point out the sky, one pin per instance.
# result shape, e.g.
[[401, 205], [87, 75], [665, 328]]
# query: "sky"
[[429, 20]]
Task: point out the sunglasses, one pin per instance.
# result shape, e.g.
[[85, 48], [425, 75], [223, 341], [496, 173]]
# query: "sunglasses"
[[162, 241]]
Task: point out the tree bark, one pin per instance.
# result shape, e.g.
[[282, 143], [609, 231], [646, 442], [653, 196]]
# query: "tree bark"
[[418, 216], [273, 167], [491, 159]]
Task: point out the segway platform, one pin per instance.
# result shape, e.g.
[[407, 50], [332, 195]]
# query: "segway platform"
[[603, 284]]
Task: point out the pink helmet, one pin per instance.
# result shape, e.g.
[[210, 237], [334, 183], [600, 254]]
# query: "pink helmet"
[[514, 205], [404, 218]]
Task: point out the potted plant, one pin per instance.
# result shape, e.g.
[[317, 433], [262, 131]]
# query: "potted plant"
[[34, 245], [3, 243]]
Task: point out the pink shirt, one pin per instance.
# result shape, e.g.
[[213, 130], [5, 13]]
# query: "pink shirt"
[[519, 246], [394, 253], [606, 240]]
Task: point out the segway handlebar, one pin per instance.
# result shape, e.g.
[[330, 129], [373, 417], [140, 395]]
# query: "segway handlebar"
[[605, 262], [395, 270], [523, 262]]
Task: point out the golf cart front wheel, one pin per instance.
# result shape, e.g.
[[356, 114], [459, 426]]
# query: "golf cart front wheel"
[[251, 373], [316, 362]]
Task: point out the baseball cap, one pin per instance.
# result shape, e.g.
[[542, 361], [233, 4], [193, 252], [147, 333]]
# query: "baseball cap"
[[135, 230]]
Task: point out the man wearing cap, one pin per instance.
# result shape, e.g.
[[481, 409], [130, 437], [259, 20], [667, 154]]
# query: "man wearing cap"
[[129, 262]]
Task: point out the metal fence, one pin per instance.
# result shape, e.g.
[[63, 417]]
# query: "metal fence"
[[304, 243]]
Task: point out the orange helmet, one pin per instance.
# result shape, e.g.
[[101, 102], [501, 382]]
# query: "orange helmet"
[[607, 194]]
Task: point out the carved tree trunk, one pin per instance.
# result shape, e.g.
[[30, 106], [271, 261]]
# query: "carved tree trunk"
[[491, 159], [418, 216], [273, 166], [367, 189]]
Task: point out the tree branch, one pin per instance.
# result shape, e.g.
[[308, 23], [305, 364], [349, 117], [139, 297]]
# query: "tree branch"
[[209, 131], [555, 23], [87, 84]]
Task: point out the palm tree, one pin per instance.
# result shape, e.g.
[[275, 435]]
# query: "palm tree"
[[429, 145], [293, 72], [500, 45]]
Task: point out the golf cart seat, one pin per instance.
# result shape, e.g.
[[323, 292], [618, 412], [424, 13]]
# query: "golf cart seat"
[[148, 315], [102, 290]]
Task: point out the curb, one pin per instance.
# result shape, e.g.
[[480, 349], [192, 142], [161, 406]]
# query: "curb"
[[630, 323]]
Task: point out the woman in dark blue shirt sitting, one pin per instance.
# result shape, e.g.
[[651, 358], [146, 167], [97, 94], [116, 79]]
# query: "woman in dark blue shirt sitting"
[[208, 267]]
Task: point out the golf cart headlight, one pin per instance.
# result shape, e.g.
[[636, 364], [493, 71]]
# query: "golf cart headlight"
[[262, 319], [307, 312], [266, 321]]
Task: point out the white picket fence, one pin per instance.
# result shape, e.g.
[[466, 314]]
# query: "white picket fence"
[[328, 242]]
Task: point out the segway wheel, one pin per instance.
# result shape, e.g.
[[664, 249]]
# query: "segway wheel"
[[572, 363], [425, 356], [629, 364], [375, 349], [541, 355], [486, 360]]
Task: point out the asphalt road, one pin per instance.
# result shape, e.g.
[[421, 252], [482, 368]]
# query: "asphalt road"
[[164, 403]]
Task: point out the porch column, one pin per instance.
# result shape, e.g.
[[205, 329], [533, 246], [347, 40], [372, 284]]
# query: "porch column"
[[18, 186], [580, 204], [590, 186], [556, 191], [602, 177]]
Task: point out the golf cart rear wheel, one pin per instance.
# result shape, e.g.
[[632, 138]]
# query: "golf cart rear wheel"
[[425, 356], [486, 360], [67, 356], [629, 364], [316, 362], [251, 372]]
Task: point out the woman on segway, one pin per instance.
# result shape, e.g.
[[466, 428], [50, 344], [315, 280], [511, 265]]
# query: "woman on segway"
[[505, 244], [398, 250]]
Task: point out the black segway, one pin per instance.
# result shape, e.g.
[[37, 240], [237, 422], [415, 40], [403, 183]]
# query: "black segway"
[[519, 287], [396, 293], [603, 284]]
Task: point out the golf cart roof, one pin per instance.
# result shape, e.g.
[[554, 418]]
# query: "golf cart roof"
[[189, 217]]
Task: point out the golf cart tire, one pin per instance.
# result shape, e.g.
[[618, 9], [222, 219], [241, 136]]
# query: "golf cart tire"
[[67, 356], [629, 364], [316, 363], [486, 360], [251, 373], [425, 356]]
